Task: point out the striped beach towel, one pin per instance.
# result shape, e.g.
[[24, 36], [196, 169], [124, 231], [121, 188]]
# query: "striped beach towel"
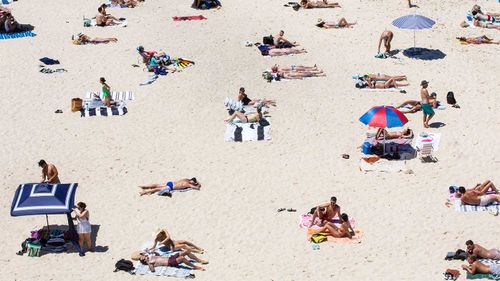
[[239, 132], [182, 272], [183, 63], [473, 208], [17, 35], [104, 111], [5, 2], [116, 96]]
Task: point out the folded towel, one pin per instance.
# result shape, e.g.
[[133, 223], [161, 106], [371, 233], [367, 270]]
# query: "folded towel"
[[238, 132], [17, 35], [104, 111], [116, 96], [356, 239]]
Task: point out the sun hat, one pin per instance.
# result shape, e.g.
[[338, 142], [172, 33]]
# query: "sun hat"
[[136, 255], [424, 82]]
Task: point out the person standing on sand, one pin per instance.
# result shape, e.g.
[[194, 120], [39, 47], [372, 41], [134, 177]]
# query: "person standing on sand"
[[425, 103], [386, 36], [83, 228], [49, 172]]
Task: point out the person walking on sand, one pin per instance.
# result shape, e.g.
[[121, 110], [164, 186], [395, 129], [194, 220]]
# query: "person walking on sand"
[[386, 36], [425, 103], [106, 90], [83, 228], [49, 172]]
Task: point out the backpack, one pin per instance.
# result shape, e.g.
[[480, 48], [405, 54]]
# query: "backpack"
[[450, 98], [124, 265], [268, 40], [318, 238]]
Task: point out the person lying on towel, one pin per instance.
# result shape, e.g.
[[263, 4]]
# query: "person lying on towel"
[[416, 105], [478, 195], [166, 189], [381, 77], [481, 252], [366, 82], [384, 134], [267, 50], [310, 4], [83, 39], [477, 267], [126, 3], [326, 212], [477, 40], [342, 23], [296, 72], [156, 260], [344, 231], [249, 118]]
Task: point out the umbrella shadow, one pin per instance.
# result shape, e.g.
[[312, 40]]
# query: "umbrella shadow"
[[424, 53], [437, 125]]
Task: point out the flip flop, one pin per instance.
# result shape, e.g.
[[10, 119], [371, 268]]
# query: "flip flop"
[[58, 111], [291, 210], [281, 209]]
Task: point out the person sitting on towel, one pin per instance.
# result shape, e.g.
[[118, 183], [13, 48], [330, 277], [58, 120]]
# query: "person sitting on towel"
[[104, 19], [480, 15], [345, 229], [384, 134], [281, 42], [173, 261], [342, 23], [166, 189], [163, 238], [475, 267], [308, 4], [249, 118], [481, 252], [329, 212], [243, 98], [478, 195]]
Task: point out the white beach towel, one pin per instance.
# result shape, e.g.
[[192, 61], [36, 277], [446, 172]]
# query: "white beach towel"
[[116, 96], [122, 23], [434, 138], [237, 132], [459, 207]]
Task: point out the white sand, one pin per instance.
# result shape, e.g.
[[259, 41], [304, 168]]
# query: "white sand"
[[174, 129]]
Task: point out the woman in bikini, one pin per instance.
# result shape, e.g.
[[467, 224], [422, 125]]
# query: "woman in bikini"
[[249, 118], [297, 72], [374, 84], [345, 229], [308, 4], [85, 39], [478, 40], [331, 24], [403, 134], [162, 237]]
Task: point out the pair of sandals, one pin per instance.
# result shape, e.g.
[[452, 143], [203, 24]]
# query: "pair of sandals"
[[48, 70], [285, 209]]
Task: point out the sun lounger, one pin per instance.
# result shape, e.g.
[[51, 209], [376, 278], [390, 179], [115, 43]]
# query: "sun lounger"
[[17, 35], [116, 96], [238, 132], [104, 111], [432, 138]]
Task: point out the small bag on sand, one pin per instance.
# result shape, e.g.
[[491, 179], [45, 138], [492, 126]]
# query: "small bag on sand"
[[76, 104]]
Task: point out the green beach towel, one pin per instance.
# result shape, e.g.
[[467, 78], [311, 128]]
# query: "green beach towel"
[[482, 276]]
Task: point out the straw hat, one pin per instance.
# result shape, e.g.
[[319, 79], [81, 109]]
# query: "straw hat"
[[136, 255]]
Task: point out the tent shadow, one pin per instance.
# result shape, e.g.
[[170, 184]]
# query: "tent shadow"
[[93, 238], [424, 54]]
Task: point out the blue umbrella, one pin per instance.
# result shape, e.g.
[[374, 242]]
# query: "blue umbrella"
[[413, 22]]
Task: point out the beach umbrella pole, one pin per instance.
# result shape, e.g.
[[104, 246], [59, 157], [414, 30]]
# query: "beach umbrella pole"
[[47, 219]]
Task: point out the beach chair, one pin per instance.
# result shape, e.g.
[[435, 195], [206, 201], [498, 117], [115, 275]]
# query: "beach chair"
[[426, 153]]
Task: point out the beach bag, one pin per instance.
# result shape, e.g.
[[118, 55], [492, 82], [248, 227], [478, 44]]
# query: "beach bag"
[[124, 265], [86, 22], [318, 238], [76, 104], [36, 234], [451, 274], [268, 40], [450, 98]]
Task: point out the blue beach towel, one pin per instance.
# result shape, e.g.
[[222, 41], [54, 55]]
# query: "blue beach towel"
[[17, 35], [5, 2]]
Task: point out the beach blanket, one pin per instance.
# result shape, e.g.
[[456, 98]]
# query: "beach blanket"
[[116, 96], [433, 138], [186, 18], [305, 221], [238, 132], [482, 276], [17, 35], [356, 239], [104, 111], [383, 165]]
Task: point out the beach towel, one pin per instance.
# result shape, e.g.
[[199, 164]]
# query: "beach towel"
[[17, 35], [238, 132], [103, 111], [116, 96], [356, 239], [482, 276], [183, 272], [383, 165], [186, 18], [5, 2], [183, 63], [460, 207], [122, 23], [433, 138]]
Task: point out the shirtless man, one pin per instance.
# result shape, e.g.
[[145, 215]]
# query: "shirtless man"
[[282, 42], [173, 261], [386, 36], [416, 106], [103, 19], [382, 77], [480, 15], [166, 189], [482, 24], [308, 4], [481, 252], [331, 210], [477, 196], [476, 266], [345, 229], [425, 103], [49, 172]]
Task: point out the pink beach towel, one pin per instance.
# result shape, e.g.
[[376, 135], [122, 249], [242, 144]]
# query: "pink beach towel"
[[185, 18]]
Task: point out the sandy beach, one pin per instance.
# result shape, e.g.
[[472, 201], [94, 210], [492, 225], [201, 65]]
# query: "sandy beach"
[[174, 129]]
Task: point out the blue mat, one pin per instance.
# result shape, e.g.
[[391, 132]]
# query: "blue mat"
[[17, 35]]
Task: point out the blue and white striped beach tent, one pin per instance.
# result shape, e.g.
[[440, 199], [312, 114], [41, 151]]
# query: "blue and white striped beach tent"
[[43, 199]]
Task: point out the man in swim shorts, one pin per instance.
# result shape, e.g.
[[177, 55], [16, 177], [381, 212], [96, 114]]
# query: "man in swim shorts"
[[166, 189], [331, 210], [173, 261], [476, 266], [425, 103], [479, 195], [481, 252]]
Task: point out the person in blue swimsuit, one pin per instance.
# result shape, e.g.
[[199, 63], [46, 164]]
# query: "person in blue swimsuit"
[[167, 188]]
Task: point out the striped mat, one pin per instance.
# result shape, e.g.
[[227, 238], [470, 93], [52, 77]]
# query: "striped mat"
[[240, 132], [17, 35], [104, 111], [116, 96], [473, 208]]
